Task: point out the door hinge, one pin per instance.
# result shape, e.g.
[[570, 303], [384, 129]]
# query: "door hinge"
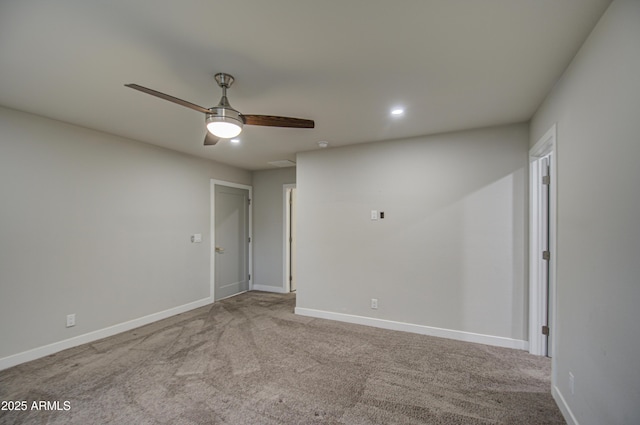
[[546, 255], [249, 200], [545, 330], [290, 278], [546, 180], [249, 277], [249, 240]]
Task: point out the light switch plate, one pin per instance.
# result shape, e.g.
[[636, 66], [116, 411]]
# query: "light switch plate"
[[197, 238], [374, 214]]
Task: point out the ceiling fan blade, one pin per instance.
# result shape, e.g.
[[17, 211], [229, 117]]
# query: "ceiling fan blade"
[[210, 139], [272, 121], [169, 98]]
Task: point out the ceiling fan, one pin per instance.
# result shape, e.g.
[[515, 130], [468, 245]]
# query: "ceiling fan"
[[224, 122]]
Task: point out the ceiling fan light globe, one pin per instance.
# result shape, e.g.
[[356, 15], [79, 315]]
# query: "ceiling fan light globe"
[[224, 130], [224, 123]]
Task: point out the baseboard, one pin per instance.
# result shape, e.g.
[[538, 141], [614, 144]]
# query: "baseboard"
[[563, 406], [46, 350], [267, 288], [418, 329]]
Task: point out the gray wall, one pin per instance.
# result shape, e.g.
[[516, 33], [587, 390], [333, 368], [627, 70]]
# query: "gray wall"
[[451, 251], [95, 225], [268, 216], [596, 106]]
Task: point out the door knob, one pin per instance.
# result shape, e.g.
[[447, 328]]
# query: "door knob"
[[219, 250]]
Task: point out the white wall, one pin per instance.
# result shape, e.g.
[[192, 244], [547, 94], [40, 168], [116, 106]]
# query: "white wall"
[[95, 225], [451, 250], [268, 227], [596, 105]]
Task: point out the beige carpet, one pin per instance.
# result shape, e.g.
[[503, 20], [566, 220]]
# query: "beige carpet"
[[250, 360]]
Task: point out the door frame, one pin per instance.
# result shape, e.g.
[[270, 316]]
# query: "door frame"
[[546, 145], [286, 267], [212, 215]]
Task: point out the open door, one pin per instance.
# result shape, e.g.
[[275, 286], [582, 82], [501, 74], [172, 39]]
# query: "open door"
[[290, 283], [292, 241], [542, 237], [545, 182], [231, 241]]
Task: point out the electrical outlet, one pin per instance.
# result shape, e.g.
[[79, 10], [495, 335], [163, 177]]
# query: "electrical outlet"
[[374, 303], [71, 320], [572, 383]]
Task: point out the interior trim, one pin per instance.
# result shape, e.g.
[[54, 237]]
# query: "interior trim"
[[497, 341], [47, 350], [563, 406]]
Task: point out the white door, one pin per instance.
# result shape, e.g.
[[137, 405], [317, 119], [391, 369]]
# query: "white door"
[[231, 241], [545, 167], [542, 241], [292, 248]]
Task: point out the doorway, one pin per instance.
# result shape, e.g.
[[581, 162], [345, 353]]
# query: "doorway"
[[230, 239], [542, 244], [290, 238]]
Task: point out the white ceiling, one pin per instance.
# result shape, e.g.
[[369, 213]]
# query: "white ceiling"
[[452, 64]]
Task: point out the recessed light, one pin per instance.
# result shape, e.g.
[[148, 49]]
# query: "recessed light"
[[235, 141], [323, 143], [397, 111]]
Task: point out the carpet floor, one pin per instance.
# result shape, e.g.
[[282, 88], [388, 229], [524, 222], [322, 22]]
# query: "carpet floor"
[[250, 360]]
